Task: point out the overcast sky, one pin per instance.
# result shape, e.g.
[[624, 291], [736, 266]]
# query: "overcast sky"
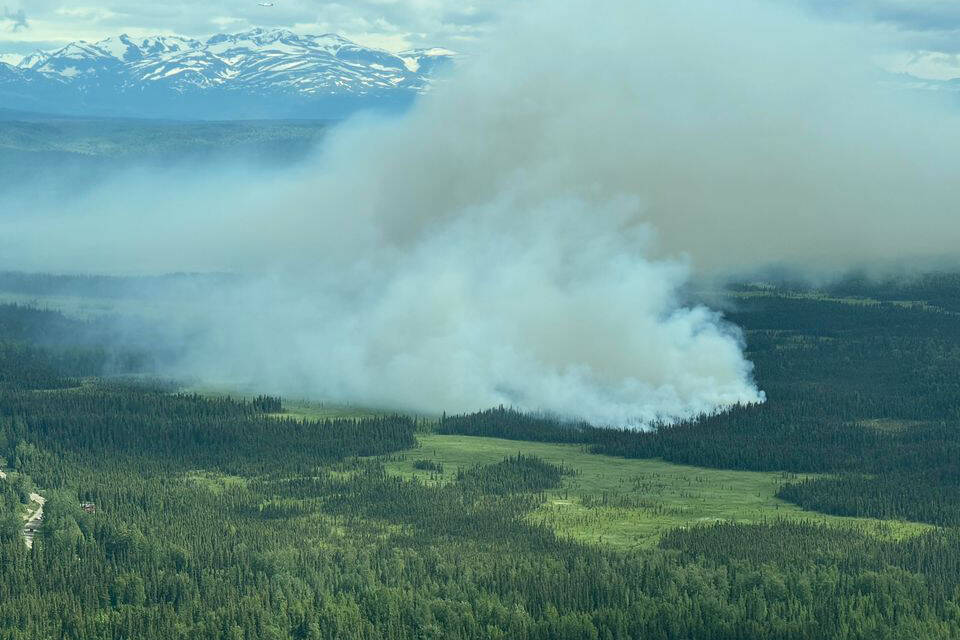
[[925, 33]]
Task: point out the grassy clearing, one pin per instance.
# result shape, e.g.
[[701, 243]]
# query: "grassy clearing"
[[630, 503], [215, 482]]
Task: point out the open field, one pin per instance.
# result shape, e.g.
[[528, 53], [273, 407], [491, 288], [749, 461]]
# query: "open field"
[[629, 503]]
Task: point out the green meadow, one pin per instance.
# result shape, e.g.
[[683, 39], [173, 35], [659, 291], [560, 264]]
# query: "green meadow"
[[628, 504]]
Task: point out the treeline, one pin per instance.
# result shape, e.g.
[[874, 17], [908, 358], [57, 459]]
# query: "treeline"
[[513, 425], [42, 349], [267, 404], [515, 475], [937, 289], [221, 433], [98, 286], [45, 284], [895, 495], [26, 367], [22, 323], [428, 465]]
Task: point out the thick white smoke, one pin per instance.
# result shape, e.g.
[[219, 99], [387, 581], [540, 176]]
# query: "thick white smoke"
[[520, 237], [545, 306]]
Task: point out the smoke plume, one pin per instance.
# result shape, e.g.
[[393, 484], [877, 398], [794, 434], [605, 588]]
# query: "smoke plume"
[[521, 236]]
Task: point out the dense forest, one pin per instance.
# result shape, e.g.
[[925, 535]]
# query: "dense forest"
[[175, 515]]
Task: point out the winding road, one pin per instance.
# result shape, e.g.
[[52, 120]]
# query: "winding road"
[[33, 520]]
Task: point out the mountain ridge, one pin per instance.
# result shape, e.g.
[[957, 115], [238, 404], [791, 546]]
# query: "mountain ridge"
[[259, 73]]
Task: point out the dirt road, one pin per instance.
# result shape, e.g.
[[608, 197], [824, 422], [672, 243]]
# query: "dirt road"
[[34, 520]]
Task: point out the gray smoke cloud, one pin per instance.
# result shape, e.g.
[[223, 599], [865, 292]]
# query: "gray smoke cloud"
[[522, 235]]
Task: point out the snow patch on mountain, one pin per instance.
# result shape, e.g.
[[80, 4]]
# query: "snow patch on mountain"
[[228, 75]]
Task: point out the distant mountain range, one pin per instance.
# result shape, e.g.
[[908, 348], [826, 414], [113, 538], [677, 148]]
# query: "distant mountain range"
[[250, 75]]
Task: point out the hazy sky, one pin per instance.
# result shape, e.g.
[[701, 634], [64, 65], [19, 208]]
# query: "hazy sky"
[[390, 24], [924, 34]]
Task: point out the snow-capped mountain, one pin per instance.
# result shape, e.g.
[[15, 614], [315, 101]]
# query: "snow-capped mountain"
[[254, 74]]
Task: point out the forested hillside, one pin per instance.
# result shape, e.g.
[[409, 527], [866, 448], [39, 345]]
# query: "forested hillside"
[[176, 515]]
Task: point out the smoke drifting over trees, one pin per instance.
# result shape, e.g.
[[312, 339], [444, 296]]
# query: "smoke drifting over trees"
[[520, 237]]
